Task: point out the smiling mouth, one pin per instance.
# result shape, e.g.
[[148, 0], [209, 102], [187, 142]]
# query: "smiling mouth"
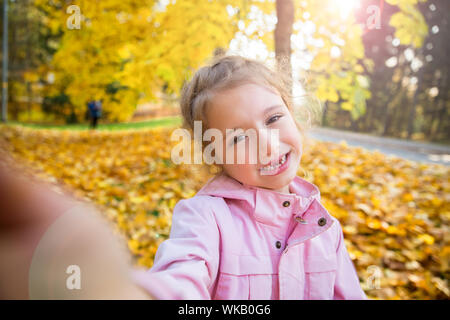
[[270, 168]]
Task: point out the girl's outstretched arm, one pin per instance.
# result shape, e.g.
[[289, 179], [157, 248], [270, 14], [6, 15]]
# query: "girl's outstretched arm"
[[55, 247], [186, 264]]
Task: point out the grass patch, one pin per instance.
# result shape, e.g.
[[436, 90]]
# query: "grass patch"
[[159, 122]]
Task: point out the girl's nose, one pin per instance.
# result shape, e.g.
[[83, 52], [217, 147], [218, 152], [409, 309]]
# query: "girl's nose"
[[269, 145]]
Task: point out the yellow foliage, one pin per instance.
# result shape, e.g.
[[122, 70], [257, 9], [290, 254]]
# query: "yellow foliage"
[[132, 45]]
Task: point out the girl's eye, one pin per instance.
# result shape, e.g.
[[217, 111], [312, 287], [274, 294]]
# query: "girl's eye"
[[273, 119], [237, 139]]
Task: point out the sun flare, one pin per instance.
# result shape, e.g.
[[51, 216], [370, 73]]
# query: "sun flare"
[[346, 7]]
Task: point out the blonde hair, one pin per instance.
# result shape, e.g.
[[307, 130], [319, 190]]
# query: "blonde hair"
[[227, 72]]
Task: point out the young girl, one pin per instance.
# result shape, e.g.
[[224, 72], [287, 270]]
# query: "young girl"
[[255, 230]]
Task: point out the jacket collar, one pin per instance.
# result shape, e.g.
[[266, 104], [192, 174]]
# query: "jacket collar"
[[261, 199]]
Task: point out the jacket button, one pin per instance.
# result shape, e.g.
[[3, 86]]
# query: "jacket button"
[[298, 219], [286, 204], [322, 222], [278, 244]]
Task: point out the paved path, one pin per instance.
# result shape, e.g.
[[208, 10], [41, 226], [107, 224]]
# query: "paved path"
[[411, 150]]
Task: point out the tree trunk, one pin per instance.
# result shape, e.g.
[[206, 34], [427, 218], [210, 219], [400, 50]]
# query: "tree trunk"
[[28, 59], [324, 114], [412, 111], [283, 32], [395, 98], [443, 114], [388, 121]]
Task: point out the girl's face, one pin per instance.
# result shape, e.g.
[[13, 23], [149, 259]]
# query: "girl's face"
[[251, 106]]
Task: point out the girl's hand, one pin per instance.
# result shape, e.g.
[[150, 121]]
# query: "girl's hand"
[[53, 247]]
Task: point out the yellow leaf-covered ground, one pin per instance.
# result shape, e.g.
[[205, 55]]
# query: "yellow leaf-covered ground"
[[394, 212]]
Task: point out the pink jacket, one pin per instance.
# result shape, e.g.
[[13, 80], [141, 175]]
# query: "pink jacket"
[[235, 241]]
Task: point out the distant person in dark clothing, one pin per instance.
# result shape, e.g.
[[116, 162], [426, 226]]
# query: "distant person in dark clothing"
[[95, 111]]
